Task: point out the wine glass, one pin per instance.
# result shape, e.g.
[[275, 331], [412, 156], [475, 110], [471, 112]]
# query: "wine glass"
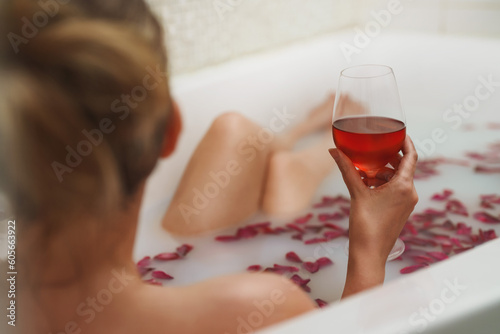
[[369, 124]]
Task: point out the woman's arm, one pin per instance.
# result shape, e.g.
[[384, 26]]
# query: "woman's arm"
[[377, 217]]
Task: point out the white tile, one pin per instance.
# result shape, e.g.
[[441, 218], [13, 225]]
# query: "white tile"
[[473, 22]]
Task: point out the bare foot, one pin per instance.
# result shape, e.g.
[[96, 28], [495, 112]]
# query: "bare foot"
[[294, 177]]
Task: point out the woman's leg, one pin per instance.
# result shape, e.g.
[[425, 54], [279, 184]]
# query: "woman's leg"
[[235, 165]]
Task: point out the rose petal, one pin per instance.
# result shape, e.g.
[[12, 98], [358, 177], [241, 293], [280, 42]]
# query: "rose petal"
[[167, 256], [440, 256], [321, 303], [442, 197], [146, 261], [421, 259], [455, 206], [161, 275], [246, 232], [315, 228], [303, 220], [487, 170], [286, 269], [460, 250], [311, 267], [184, 249], [296, 228], [259, 225], [410, 269], [463, 229], [456, 242], [330, 235], [298, 236], [323, 262], [254, 267], [227, 238], [486, 218], [315, 241], [333, 226], [301, 282], [292, 256]]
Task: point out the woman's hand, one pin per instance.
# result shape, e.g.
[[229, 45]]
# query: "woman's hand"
[[377, 216]]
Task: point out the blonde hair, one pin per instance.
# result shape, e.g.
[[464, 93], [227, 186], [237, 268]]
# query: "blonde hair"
[[84, 107]]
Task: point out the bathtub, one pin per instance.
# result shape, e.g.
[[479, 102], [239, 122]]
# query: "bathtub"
[[434, 73]]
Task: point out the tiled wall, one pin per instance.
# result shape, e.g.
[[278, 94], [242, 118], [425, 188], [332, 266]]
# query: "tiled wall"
[[464, 17], [207, 32]]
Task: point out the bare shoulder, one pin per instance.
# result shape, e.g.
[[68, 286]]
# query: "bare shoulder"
[[243, 303]]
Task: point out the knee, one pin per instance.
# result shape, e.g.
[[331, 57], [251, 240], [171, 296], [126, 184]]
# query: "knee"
[[232, 124]]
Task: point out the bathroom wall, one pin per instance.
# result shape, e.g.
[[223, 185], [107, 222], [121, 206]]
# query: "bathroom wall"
[[202, 33]]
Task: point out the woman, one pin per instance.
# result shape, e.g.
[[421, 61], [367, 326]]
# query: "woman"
[[86, 114]]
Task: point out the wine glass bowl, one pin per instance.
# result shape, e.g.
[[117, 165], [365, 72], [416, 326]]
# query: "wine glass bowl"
[[368, 123]]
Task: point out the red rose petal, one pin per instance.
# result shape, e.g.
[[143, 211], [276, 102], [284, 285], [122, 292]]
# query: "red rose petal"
[[330, 235], [460, 250], [296, 228], [487, 170], [286, 269], [486, 218], [254, 267], [311, 267], [246, 232], [315, 241], [315, 228], [303, 220], [456, 207], [298, 236], [333, 226], [487, 235], [167, 256], [227, 238], [410, 269], [456, 242], [292, 256], [448, 225], [440, 256], [463, 229], [442, 197], [321, 303], [161, 275], [146, 261], [184, 249], [323, 262], [421, 259], [301, 282]]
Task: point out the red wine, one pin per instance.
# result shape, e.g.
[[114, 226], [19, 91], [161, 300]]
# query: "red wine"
[[369, 141]]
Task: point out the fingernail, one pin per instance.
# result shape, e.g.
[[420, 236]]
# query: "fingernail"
[[334, 153]]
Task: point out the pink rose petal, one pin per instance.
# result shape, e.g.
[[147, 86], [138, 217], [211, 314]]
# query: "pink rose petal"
[[323, 262], [486, 218], [440, 256], [315, 228], [410, 269], [161, 275], [246, 232], [167, 256], [421, 259], [286, 269], [333, 226], [487, 170], [146, 261], [463, 229], [456, 242], [456, 207], [184, 249], [321, 303], [315, 241], [303, 220], [301, 282], [292, 256], [442, 197], [311, 267], [254, 267], [296, 228]]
